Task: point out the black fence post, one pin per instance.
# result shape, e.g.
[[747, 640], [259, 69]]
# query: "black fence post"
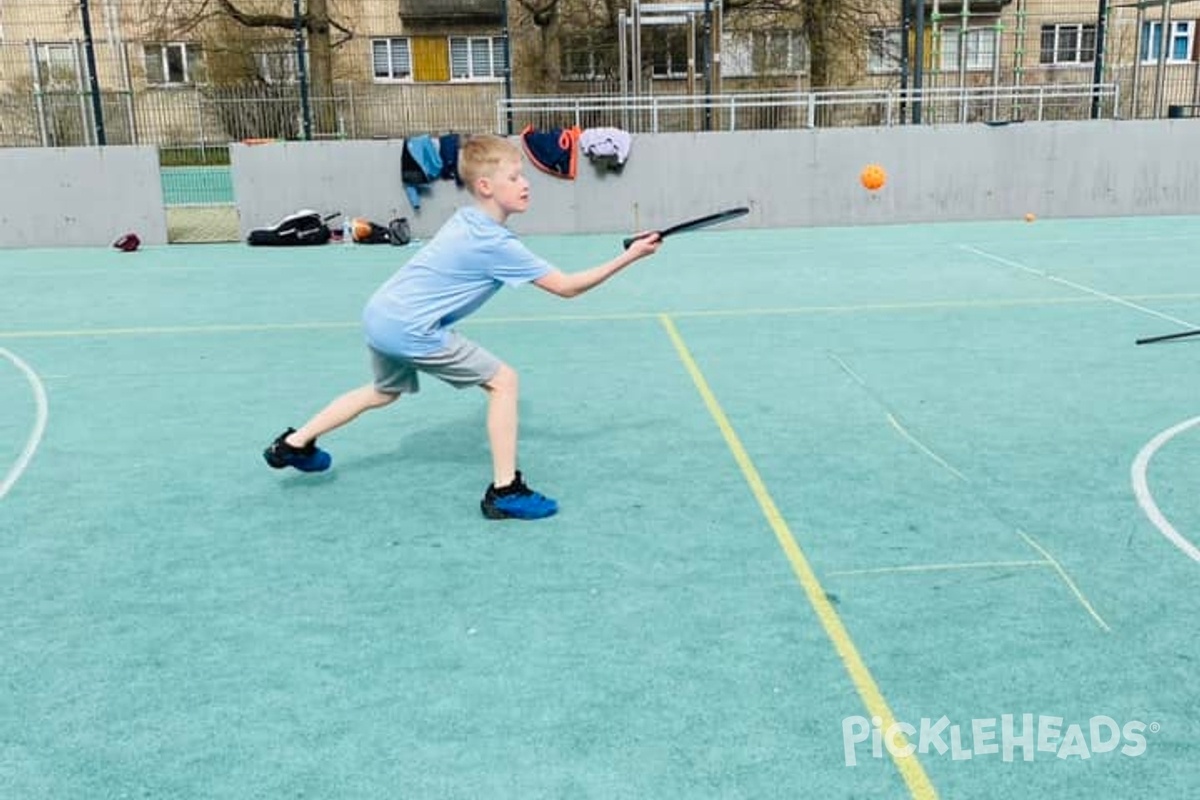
[[1098, 61], [305, 106], [919, 67], [89, 49], [905, 66], [508, 62]]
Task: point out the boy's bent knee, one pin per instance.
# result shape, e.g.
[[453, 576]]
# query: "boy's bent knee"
[[505, 380], [378, 398]]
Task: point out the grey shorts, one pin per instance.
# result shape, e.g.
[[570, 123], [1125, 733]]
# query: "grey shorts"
[[463, 363]]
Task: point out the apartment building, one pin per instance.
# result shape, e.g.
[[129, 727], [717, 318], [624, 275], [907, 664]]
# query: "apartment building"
[[394, 67]]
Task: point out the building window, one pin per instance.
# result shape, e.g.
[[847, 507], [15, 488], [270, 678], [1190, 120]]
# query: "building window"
[[57, 65], [276, 66], [1068, 44], [588, 57], [174, 64], [1180, 46], [477, 58], [979, 45], [666, 50], [884, 47], [745, 54], [391, 59]]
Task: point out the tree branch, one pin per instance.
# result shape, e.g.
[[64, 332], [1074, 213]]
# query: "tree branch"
[[543, 13], [260, 20]]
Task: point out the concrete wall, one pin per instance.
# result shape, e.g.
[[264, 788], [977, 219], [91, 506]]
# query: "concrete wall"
[[56, 197], [788, 178], [89, 196]]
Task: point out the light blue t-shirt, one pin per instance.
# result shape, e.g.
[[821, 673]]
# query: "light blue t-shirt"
[[465, 263]]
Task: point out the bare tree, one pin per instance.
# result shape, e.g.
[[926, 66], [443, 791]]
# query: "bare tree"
[[835, 30], [536, 52], [315, 19]]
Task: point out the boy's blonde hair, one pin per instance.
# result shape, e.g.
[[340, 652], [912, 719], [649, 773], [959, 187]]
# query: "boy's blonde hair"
[[481, 154]]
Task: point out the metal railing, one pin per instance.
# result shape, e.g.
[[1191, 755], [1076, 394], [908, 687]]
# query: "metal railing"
[[750, 111]]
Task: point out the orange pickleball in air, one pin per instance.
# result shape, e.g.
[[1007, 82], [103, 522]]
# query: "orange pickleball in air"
[[872, 177]]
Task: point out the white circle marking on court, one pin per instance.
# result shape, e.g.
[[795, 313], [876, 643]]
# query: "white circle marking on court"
[[1142, 491], [39, 425]]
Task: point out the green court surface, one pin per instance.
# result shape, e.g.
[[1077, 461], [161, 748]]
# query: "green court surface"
[[808, 478]]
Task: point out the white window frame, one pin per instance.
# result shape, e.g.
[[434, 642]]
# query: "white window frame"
[[186, 49], [46, 64], [737, 54], [276, 66], [675, 68], [981, 43], [884, 50], [743, 56], [1063, 57], [469, 46], [1181, 30], [583, 48], [796, 51], [399, 55]]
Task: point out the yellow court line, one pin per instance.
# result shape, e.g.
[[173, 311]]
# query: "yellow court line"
[[1062, 573], [919, 785], [940, 567], [614, 317]]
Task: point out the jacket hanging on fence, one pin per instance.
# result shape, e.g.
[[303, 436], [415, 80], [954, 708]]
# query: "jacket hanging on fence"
[[420, 164], [555, 151], [609, 146], [448, 150]]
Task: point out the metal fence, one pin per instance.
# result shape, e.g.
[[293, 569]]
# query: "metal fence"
[[773, 110]]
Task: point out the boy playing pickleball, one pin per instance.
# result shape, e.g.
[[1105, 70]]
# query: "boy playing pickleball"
[[408, 323]]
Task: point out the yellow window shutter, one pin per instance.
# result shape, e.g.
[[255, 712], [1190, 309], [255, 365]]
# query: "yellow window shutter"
[[931, 58], [431, 58]]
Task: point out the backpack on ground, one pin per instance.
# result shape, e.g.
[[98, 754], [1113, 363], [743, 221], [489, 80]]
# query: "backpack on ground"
[[304, 227], [366, 232]]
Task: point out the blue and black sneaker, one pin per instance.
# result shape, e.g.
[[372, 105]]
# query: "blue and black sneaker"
[[516, 501], [309, 458]]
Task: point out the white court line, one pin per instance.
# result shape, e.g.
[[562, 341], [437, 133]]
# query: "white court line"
[[39, 425], [1062, 573], [1049, 559], [893, 420], [1145, 499], [1138, 471], [915, 442], [1079, 286]]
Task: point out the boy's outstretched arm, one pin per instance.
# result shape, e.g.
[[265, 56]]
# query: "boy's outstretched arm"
[[573, 284]]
